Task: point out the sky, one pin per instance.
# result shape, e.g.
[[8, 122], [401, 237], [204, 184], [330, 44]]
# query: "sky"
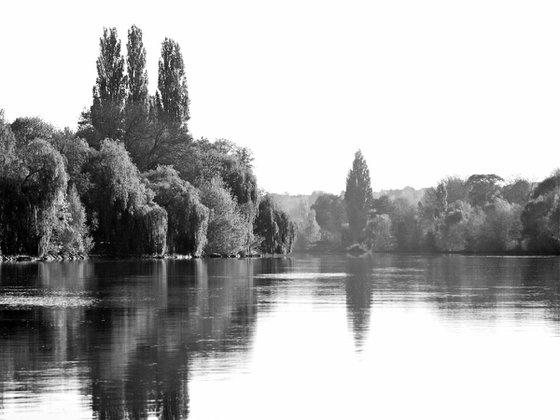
[[425, 89]]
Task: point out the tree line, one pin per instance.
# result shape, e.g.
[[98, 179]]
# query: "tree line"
[[480, 214], [131, 180]]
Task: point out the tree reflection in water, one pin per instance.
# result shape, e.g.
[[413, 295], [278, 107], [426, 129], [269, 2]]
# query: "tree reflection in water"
[[359, 289], [125, 339], [135, 345]]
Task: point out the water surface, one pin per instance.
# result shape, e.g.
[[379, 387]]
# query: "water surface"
[[282, 338]]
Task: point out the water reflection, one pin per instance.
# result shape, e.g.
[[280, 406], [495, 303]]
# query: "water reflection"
[[359, 290], [140, 334], [134, 347]]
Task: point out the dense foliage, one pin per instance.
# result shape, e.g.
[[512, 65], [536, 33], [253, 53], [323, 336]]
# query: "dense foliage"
[[482, 214], [38, 213], [153, 128], [233, 164], [131, 180]]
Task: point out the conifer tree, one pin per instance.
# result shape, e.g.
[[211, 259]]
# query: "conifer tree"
[[358, 196]]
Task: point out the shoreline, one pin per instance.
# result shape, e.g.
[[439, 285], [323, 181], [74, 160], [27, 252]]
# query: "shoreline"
[[22, 258], [433, 254], [32, 259]]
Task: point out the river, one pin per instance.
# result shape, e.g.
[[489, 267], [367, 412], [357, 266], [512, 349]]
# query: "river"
[[301, 337]]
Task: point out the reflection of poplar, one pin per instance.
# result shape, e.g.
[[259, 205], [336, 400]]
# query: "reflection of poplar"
[[359, 288]]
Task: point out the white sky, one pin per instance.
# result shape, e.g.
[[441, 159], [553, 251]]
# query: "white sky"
[[425, 88]]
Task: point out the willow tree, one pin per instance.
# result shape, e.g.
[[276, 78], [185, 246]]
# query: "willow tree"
[[358, 197], [109, 91], [9, 169], [128, 221], [275, 228], [32, 189], [187, 216], [7, 146]]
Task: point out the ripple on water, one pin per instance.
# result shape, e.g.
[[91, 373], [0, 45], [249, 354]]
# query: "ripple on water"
[[397, 273], [23, 299], [301, 276], [397, 270]]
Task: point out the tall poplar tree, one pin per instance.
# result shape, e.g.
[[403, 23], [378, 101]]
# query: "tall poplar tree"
[[110, 88], [166, 138], [136, 112], [358, 196], [136, 67], [173, 98]]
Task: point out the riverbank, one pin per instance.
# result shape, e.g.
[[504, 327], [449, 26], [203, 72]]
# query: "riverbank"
[[46, 258], [358, 250], [331, 251], [78, 257]]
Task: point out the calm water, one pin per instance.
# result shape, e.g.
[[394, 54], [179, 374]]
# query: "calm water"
[[283, 338]]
